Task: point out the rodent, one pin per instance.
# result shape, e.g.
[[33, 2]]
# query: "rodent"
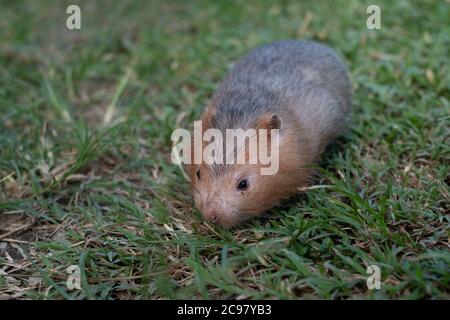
[[301, 88]]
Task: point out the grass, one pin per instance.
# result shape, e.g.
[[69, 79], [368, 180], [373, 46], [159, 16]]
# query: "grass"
[[86, 177]]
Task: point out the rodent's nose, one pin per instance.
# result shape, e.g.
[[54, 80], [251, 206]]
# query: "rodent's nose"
[[211, 216]]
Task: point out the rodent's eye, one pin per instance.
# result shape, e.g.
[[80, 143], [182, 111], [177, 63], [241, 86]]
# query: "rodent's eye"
[[242, 185], [198, 174]]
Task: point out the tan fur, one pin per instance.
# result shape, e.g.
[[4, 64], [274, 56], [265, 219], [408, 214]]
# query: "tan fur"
[[303, 88], [219, 195]]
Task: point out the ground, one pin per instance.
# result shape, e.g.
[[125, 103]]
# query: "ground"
[[86, 177]]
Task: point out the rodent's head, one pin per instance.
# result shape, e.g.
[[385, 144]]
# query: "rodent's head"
[[236, 194], [228, 194]]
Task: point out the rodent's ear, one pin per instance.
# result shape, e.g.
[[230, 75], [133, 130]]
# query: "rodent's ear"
[[275, 122], [208, 116], [269, 121]]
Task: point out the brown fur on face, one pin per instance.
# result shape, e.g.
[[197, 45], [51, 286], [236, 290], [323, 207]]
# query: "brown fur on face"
[[301, 86], [216, 194]]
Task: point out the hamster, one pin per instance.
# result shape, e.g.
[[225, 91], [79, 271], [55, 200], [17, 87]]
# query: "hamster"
[[301, 88]]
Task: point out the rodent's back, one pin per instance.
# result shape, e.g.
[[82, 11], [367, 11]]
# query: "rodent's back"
[[274, 77], [286, 65]]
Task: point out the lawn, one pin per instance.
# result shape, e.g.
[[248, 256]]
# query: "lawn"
[[86, 177]]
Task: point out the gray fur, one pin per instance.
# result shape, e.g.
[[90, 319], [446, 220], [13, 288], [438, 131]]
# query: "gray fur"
[[293, 79]]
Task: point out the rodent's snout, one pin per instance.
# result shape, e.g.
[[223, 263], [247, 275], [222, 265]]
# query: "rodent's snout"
[[220, 218], [211, 215]]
